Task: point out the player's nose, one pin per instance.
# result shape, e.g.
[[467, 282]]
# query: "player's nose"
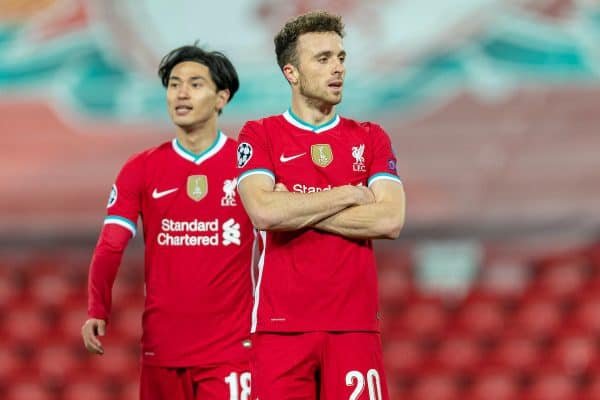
[[339, 68], [183, 92]]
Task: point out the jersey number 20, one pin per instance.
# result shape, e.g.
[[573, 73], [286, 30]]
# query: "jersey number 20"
[[357, 379]]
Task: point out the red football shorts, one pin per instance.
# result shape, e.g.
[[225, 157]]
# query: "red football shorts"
[[317, 365], [223, 382]]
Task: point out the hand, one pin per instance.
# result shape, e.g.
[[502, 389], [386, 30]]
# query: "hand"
[[91, 329], [364, 195]]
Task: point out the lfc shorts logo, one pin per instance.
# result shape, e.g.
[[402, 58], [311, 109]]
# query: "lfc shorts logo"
[[321, 154], [197, 187]]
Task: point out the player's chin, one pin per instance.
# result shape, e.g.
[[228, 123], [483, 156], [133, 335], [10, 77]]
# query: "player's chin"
[[182, 121], [336, 99]]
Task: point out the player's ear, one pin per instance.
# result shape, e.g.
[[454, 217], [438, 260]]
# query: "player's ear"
[[291, 73], [222, 98]]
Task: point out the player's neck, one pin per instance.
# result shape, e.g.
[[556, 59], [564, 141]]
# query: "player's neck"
[[312, 112], [198, 140]]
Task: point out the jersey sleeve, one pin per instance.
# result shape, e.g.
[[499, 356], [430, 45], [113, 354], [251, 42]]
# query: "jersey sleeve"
[[383, 164], [253, 155], [123, 208], [103, 269], [124, 203]]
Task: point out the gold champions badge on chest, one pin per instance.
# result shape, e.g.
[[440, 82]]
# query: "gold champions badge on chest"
[[321, 154], [197, 187]]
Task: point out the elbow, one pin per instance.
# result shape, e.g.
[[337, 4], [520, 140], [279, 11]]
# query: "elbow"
[[392, 227], [263, 220], [393, 234], [260, 215], [394, 223]]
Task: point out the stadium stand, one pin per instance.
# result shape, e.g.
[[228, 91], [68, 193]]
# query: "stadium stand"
[[541, 343]]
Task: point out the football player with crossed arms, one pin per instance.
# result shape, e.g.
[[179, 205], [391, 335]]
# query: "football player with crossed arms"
[[198, 243], [320, 187]]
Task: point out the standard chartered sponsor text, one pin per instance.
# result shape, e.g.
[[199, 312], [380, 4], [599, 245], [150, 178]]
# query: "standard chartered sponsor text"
[[181, 233], [168, 225]]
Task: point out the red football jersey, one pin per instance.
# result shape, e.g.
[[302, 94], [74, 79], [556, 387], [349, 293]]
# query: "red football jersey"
[[198, 251], [311, 280]]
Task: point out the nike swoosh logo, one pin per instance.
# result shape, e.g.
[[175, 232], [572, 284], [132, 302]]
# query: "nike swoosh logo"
[[157, 195], [284, 159]]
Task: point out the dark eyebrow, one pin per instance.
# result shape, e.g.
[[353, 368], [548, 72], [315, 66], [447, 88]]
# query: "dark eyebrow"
[[325, 53], [329, 53], [193, 78]]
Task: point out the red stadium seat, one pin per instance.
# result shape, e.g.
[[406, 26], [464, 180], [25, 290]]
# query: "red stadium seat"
[[562, 278], [12, 365], [587, 311], [435, 385], [553, 385], [424, 318], [29, 389], [481, 315], [395, 286], [9, 292], [71, 321], [504, 278], [403, 357], [538, 317], [91, 389], [594, 257], [131, 389], [118, 362], [26, 324], [458, 354], [494, 384], [58, 362], [575, 351], [516, 352], [50, 290], [592, 390]]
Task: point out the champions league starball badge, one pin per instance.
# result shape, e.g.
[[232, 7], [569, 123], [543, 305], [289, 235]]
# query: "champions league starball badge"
[[112, 198], [244, 154]]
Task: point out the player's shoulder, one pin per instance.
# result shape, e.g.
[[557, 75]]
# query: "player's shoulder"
[[258, 125], [364, 127], [368, 129], [143, 157], [230, 142]]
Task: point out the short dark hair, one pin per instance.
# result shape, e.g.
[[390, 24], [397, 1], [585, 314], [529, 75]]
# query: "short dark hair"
[[313, 21], [222, 71]]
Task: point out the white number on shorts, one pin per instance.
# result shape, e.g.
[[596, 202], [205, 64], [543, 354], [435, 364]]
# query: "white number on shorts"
[[234, 386], [358, 379]]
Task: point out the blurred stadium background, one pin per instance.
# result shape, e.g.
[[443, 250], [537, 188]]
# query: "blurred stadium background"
[[493, 106]]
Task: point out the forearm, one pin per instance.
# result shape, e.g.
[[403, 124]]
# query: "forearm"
[[382, 219], [369, 221], [103, 269], [286, 211]]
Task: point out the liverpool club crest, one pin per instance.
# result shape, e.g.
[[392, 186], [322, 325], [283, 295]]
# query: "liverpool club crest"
[[229, 190], [359, 159], [197, 187], [321, 154]]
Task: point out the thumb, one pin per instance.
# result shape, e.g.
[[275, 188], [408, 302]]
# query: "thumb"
[[101, 328], [280, 187]]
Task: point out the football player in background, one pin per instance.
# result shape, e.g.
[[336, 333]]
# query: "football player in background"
[[198, 243]]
